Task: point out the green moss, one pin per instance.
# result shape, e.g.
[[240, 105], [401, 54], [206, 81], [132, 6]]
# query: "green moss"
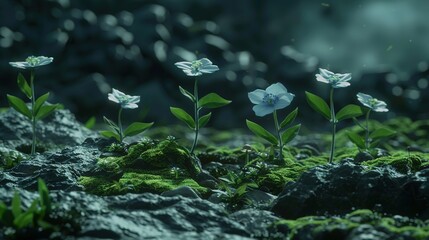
[[317, 226], [139, 182], [148, 167], [402, 161], [9, 158]]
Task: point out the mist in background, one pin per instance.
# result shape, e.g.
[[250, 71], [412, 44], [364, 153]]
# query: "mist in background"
[[132, 46]]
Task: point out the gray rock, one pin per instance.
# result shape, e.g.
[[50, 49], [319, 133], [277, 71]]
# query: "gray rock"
[[260, 197], [339, 188], [143, 216], [56, 131], [257, 222]]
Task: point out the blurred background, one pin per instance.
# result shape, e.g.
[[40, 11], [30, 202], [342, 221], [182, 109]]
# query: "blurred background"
[[131, 45]]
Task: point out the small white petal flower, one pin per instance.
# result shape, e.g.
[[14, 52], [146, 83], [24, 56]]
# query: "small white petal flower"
[[197, 67], [372, 103], [336, 80], [32, 62], [273, 98], [126, 101]]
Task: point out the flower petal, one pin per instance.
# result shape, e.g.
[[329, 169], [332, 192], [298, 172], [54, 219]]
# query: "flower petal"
[[325, 73], [262, 109], [320, 78], [282, 103], [129, 106], [112, 98], [183, 65], [345, 77], [256, 96], [205, 61], [341, 84], [277, 89], [209, 69]]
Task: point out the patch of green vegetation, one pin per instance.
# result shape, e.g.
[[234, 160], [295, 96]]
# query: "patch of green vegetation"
[[320, 227], [402, 161], [155, 181], [148, 166], [274, 179], [9, 158]]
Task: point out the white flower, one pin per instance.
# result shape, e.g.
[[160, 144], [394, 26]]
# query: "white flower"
[[32, 62], [126, 101], [336, 80], [197, 67], [273, 98], [372, 103]]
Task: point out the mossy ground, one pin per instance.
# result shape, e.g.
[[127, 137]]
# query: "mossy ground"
[[318, 227], [148, 166]]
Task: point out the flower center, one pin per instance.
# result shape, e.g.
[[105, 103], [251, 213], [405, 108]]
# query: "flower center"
[[33, 61], [270, 99], [373, 102], [196, 65]]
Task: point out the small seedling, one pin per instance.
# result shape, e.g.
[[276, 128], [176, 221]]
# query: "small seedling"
[[212, 100], [335, 80], [39, 107], [370, 140], [125, 102], [268, 101]]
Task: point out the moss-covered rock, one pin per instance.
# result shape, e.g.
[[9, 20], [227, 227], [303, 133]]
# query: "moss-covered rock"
[[149, 166], [155, 181], [401, 161], [354, 225], [9, 158]]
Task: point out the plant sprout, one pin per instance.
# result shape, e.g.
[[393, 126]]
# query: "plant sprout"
[[371, 139], [212, 100], [125, 102], [268, 101], [335, 80], [39, 107]]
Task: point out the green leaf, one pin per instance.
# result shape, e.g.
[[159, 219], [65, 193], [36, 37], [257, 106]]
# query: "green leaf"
[[318, 104], [183, 116], [289, 118], [23, 86], [111, 124], [213, 100], [23, 220], [110, 134], [44, 195], [202, 122], [16, 205], [349, 111], [19, 106], [45, 111], [356, 139], [382, 133], [259, 131], [374, 144], [39, 103], [290, 133], [136, 128], [90, 123], [187, 94]]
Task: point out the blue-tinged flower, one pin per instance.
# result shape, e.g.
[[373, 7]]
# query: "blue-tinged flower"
[[273, 98], [336, 80], [32, 62], [126, 101], [197, 67], [372, 103]]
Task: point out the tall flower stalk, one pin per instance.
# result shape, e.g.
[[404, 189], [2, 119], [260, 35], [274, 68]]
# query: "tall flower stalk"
[[117, 131], [335, 80], [212, 100], [267, 101], [39, 107], [371, 139]]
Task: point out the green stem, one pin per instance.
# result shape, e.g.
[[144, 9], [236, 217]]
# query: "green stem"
[[276, 123], [334, 124], [367, 130], [121, 133], [196, 116], [33, 118]]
